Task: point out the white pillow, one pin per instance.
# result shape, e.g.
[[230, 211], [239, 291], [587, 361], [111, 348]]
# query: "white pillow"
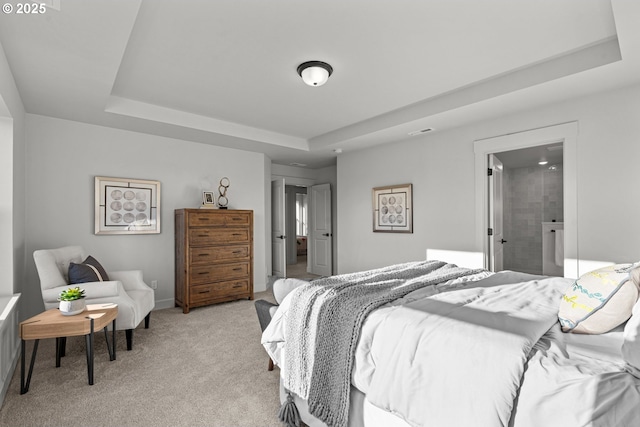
[[599, 300]]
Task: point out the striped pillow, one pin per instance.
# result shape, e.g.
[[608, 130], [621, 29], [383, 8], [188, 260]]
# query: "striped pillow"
[[89, 271], [599, 300]]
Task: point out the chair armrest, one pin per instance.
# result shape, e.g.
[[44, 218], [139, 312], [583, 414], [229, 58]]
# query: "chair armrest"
[[131, 279], [263, 308], [92, 290]]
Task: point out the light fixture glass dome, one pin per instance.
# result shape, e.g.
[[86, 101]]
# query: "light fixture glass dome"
[[315, 73]]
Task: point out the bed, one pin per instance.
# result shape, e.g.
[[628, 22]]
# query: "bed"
[[432, 344]]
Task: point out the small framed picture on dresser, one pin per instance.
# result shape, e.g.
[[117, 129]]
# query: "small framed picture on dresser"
[[208, 198]]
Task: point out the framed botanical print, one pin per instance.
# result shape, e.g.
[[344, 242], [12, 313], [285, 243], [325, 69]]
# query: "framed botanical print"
[[393, 209]]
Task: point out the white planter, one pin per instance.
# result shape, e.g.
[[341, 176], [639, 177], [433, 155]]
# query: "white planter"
[[69, 308]]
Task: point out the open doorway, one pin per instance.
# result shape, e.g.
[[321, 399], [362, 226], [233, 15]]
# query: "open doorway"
[[301, 230], [532, 234], [297, 220], [564, 134]]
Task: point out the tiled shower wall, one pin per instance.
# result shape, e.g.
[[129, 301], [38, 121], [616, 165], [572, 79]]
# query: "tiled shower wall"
[[531, 195]]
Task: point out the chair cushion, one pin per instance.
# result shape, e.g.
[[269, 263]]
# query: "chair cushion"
[[89, 271], [599, 300]]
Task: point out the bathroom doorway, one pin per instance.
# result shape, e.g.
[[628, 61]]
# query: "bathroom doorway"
[[533, 209]]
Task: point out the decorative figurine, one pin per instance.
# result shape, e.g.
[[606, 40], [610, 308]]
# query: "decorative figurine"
[[222, 189]]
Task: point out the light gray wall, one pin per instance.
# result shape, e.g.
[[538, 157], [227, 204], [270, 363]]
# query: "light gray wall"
[[63, 157], [12, 212], [441, 168], [12, 179]]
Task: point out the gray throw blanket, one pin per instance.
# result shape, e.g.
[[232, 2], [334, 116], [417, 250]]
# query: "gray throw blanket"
[[324, 323]]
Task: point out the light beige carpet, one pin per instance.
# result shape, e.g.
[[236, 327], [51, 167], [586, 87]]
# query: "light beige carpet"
[[205, 368]]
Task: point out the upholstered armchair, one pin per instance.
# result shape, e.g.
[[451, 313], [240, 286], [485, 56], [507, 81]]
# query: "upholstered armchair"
[[135, 298]]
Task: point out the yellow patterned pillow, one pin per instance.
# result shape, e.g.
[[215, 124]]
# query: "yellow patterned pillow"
[[599, 300]]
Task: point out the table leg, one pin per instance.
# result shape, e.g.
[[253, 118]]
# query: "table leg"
[[58, 351], [111, 347], [113, 338], [24, 386], [89, 339]]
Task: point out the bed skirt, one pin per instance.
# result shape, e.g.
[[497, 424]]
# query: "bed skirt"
[[361, 412]]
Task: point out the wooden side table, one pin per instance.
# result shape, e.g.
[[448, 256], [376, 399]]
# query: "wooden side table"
[[53, 324]]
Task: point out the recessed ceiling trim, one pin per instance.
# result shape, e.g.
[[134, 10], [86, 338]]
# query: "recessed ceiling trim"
[[143, 110], [604, 52]]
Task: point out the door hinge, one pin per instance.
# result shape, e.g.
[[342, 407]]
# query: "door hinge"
[[490, 231], [489, 172]]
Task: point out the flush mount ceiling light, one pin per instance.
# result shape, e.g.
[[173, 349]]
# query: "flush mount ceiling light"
[[542, 162], [315, 73]]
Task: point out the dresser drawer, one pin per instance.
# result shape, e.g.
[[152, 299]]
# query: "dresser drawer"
[[217, 273], [217, 290], [209, 254], [208, 219], [212, 236]]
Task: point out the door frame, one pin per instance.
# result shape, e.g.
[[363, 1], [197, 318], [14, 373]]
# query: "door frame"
[[272, 236], [495, 185], [308, 183], [567, 133]]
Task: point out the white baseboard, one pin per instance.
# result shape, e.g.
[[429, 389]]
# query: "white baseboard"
[[164, 303]]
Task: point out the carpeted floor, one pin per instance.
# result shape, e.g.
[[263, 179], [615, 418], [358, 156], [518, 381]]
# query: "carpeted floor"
[[205, 368]]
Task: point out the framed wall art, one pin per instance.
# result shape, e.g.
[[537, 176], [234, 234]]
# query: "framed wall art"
[[126, 206], [393, 209], [208, 198]]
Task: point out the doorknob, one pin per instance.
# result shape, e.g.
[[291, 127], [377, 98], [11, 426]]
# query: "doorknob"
[[282, 237], [503, 241], [326, 234]]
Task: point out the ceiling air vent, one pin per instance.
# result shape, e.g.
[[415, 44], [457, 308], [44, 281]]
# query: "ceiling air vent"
[[419, 132], [297, 164]]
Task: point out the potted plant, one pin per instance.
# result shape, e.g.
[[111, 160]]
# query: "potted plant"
[[72, 301]]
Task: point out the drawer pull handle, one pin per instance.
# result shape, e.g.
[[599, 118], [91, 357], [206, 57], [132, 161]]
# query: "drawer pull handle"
[[203, 235], [203, 219], [203, 254], [204, 292], [203, 273], [237, 269], [237, 285], [237, 219], [236, 234], [237, 252]]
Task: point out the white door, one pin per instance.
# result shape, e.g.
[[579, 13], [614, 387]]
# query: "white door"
[[278, 226], [320, 243], [496, 234]]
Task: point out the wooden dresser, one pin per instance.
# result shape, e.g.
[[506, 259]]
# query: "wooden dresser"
[[214, 256]]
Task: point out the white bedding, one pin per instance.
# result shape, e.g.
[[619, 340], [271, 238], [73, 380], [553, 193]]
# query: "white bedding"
[[438, 370], [466, 347]]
